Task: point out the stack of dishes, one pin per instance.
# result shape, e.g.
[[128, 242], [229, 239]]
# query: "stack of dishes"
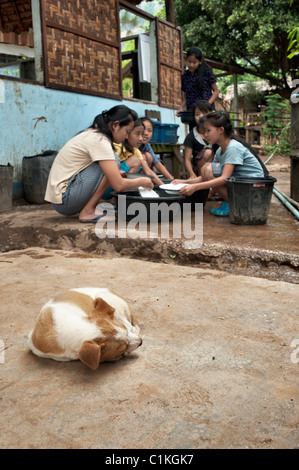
[[171, 188]]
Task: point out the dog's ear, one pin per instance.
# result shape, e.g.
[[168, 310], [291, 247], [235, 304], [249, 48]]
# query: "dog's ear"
[[103, 308], [90, 354]]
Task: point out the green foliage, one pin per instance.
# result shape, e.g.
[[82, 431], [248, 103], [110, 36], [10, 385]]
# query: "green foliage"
[[223, 82], [156, 8], [162, 10], [251, 95], [294, 43], [10, 73], [251, 32], [275, 109], [128, 87], [132, 24], [278, 124], [293, 38]]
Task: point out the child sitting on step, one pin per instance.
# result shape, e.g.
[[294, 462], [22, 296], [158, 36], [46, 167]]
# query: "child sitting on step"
[[197, 150], [131, 159], [145, 148]]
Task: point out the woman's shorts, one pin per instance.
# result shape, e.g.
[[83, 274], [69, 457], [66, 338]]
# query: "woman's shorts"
[[79, 190], [126, 168], [197, 158], [217, 169]]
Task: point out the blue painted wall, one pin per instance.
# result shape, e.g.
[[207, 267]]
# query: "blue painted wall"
[[34, 119]]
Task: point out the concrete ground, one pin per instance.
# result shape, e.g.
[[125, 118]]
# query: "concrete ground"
[[218, 367]]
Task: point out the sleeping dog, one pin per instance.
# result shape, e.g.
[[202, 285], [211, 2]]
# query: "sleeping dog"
[[90, 324]]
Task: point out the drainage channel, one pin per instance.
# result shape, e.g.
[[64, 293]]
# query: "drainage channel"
[[272, 265]]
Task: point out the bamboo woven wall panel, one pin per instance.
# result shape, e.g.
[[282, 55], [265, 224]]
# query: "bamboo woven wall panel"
[[170, 87], [170, 46], [81, 64], [90, 17]]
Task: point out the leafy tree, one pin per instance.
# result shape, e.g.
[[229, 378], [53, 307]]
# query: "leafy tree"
[[294, 42], [248, 33]]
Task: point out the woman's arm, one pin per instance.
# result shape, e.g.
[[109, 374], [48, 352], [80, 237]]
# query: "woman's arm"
[[198, 179], [183, 104], [212, 183], [150, 172], [188, 163], [120, 184], [163, 170], [215, 94]]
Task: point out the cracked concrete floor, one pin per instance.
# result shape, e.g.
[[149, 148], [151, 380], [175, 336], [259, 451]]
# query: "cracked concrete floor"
[[216, 368]]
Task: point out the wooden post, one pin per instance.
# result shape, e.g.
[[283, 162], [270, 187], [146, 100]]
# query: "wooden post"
[[38, 48], [169, 6]]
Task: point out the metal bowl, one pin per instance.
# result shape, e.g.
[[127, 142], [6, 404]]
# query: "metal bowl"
[[133, 176], [186, 116], [134, 196]]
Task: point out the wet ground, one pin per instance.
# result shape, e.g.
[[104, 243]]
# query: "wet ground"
[[270, 251], [218, 367]]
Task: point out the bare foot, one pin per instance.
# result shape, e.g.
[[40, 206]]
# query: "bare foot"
[[102, 209]]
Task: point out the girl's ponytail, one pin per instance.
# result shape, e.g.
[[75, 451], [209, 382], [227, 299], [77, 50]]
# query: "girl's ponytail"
[[248, 146]]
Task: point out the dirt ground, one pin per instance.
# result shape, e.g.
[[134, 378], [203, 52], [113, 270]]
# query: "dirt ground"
[[218, 367], [214, 371]]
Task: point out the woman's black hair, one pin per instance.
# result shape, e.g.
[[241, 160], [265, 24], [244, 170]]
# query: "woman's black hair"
[[200, 71], [120, 113], [203, 105], [221, 119], [138, 122]]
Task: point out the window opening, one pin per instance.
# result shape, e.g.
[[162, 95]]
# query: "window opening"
[[138, 52], [17, 60]]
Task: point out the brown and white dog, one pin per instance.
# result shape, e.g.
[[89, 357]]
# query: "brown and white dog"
[[90, 324]]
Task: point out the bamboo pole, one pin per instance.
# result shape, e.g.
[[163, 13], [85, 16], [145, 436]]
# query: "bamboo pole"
[[288, 198], [286, 203]]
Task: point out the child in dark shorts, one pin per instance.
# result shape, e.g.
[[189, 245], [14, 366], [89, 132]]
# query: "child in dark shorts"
[[197, 150]]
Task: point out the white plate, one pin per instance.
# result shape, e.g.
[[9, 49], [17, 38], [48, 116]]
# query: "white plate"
[[147, 193], [171, 188]]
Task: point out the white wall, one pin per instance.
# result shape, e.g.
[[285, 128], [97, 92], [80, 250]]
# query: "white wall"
[[34, 119]]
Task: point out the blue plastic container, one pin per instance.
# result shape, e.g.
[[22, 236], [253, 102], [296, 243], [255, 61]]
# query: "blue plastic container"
[[165, 133], [156, 132]]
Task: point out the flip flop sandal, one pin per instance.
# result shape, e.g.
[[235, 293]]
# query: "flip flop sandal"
[[222, 211], [94, 220]]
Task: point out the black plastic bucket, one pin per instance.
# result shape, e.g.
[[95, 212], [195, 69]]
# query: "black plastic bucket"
[[187, 117], [249, 199], [35, 172]]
